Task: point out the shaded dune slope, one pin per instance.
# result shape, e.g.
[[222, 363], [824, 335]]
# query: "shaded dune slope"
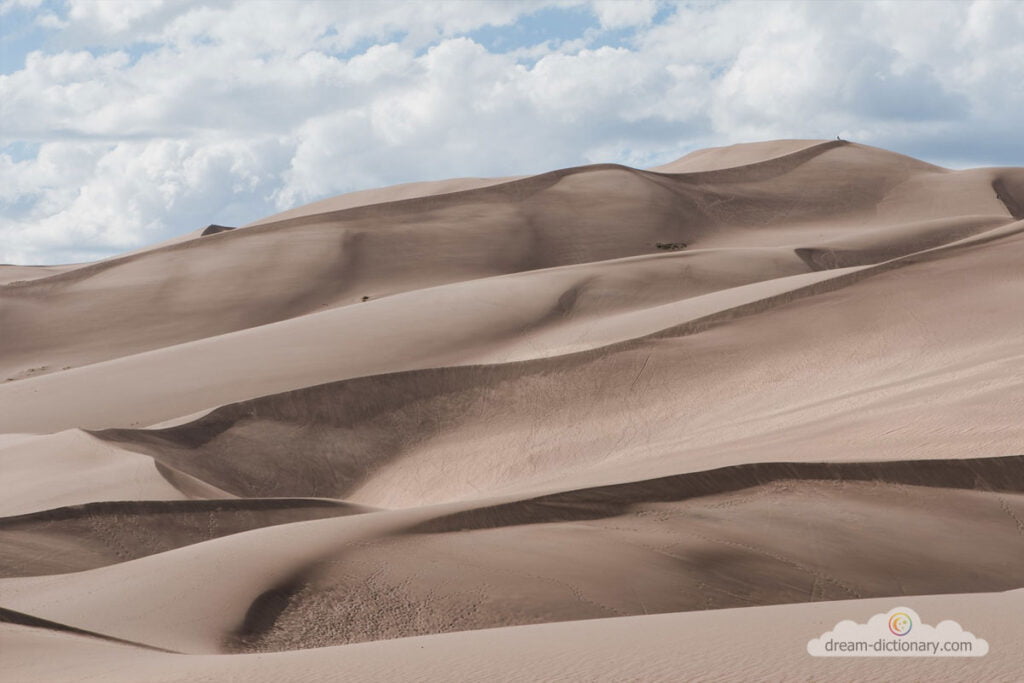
[[989, 475], [9, 616], [93, 535]]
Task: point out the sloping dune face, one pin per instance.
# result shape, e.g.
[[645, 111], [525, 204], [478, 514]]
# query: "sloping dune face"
[[782, 372]]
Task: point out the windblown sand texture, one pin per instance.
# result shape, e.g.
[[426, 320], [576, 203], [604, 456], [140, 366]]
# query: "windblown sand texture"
[[600, 423]]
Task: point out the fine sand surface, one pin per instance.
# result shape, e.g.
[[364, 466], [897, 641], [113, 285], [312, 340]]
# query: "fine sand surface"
[[600, 423], [747, 644]]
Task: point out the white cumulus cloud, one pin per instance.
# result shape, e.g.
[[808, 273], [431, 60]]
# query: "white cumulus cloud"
[[130, 122]]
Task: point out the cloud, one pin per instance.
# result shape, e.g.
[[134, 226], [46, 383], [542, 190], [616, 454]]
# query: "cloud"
[[78, 200], [133, 122], [12, 5], [900, 632], [616, 14]]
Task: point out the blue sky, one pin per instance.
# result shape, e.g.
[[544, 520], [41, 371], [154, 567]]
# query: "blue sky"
[[125, 123]]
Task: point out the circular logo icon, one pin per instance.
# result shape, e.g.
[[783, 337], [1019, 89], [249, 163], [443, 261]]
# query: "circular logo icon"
[[900, 624]]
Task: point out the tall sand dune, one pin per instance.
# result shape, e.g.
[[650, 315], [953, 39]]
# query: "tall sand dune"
[[599, 423]]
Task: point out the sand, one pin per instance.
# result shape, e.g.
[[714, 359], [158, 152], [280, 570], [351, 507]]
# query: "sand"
[[599, 423]]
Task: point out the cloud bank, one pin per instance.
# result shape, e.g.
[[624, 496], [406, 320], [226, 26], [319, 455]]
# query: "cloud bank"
[[125, 123]]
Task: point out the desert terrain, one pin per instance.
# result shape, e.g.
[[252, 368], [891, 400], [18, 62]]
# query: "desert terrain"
[[600, 423]]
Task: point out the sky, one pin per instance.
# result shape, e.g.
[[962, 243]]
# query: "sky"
[[126, 123]]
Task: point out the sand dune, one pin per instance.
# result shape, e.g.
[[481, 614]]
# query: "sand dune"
[[80, 537], [71, 467], [429, 188], [738, 536], [488, 315], [624, 410], [239, 279], [440, 434], [729, 644], [10, 273]]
